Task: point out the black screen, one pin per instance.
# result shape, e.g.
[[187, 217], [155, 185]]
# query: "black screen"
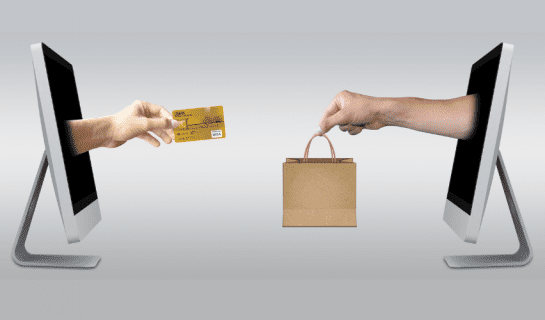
[[79, 173], [463, 179]]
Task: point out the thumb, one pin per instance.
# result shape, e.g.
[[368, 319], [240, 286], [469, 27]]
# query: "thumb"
[[338, 118], [158, 123]]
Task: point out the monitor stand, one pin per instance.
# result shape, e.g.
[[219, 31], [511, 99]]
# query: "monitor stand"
[[517, 259], [24, 258]]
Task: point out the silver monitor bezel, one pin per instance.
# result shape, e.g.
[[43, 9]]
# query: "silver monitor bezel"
[[77, 226], [466, 226]]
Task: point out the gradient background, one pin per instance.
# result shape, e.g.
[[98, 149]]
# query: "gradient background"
[[196, 228]]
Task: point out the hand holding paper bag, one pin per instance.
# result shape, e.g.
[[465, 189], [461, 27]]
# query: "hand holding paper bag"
[[353, 112]]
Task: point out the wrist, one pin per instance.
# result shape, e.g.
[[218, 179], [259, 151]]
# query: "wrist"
[[104, 131], [387, 110], [88, 134]]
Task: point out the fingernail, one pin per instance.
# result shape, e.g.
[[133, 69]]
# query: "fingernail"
[[175, 123], [318, 131]]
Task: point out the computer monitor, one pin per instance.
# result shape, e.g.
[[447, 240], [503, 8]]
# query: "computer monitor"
[[474, 161], [71, 173]]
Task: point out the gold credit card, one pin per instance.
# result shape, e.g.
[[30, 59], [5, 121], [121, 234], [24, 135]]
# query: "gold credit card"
[[199, 124]]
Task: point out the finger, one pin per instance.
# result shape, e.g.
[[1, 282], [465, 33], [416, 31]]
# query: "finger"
[[154, 110], [149, 138], [338, 118], [170, 126], [163, 134], [346, 127], [157, 111], [162, 127], [175, 124], [331, 109], [318, 131], [355, 131], [136, 103], [158, 123]]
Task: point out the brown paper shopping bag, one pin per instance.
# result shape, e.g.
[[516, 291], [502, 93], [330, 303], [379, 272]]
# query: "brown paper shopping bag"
[[319, 192]]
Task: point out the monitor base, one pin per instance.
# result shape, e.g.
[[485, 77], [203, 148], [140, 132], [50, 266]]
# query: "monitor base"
[[22, 257], [520, 258]]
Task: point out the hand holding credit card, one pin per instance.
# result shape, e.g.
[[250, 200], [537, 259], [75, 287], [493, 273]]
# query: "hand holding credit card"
[[199, 124]]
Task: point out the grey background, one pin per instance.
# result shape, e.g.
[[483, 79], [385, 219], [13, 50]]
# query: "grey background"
[[196, 227]]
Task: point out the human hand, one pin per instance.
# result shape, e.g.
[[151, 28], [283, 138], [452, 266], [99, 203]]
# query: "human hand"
[[136, 120], [353, 112]]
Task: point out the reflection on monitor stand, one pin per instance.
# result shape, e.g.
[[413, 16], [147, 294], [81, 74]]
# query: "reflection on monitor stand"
[[520, 258], [24, 258]]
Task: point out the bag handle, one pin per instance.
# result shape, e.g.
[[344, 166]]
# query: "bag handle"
[[333, 157]]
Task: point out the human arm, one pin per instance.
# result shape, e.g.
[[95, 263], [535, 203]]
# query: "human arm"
[[113, 131], [354, 112]]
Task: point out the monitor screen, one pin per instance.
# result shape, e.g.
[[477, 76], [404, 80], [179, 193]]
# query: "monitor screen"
[[64, 94], [463, 179]]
